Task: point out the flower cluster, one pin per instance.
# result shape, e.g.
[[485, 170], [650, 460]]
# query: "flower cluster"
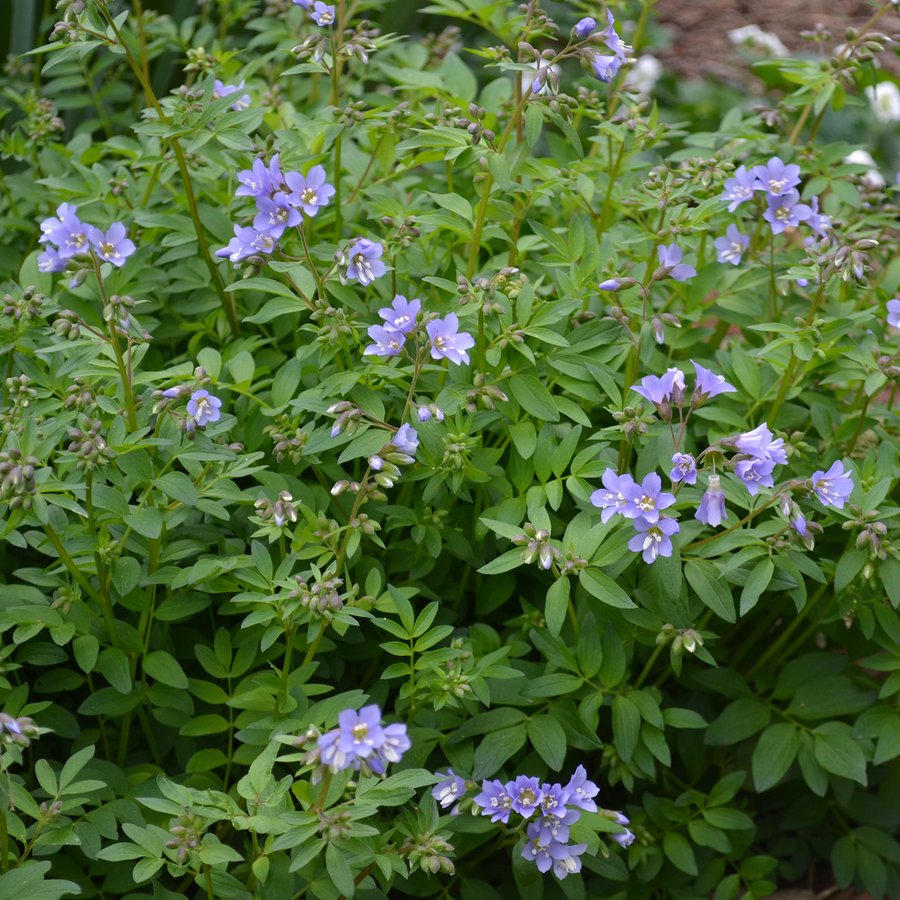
[[76, 239], [551, 808], [400, 450], [779, 183], [446, 341], [281, 201], [602, 66], [362, 742]]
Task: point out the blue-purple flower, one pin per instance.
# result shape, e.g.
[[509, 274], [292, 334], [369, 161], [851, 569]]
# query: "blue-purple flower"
[[365, 261], [310, 192], [360, 732], [819, 222], [581, 791], [114, 246], [611, 284], [653, 539], [526, 795], [893, 316], [645, 500], [304, 4], [275, 215], [658, 389], [776, 178], [670, 258], [361, 740], [449, 790], [406, 441], [684, 468], [226, 90], [247, 242], [50, 261], [834, 487], [732, 246], [761, 443], [255, 181], [739, 188], [495, 801], [447, 341], [396, 743], [67, 231], [603, 68], [203, 408], [565, 858], [626, 838], [709, 385], [401, 314], [613, 499], [712, 507], [585, 26], [756, 472], [323, 14], [556, 819], [785, 210], [387, 342], [612, 40]]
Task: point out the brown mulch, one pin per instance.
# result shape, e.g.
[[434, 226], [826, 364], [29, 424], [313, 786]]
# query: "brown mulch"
[[699, 31]]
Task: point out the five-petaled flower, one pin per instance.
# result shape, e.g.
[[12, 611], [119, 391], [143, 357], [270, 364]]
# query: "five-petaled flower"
[[447, 341], [67, 231], [653, 538], [645, 500], [775, 178], [323, 14], [401, 314], [739, 187], [387, 342], [275, 215], [365, 261], [834, 487], [203, 408], [310, 192], [613, 499], [732, 246], [114, 246], [785, 211], [670, 264]]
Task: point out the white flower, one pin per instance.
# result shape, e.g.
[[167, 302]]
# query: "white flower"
[[643, 74], [873, 179], [753, 36], [885, 100]]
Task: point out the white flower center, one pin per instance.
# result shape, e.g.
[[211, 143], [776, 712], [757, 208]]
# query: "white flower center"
[[108, 249], [308, 196], [783, 213], [204, 408], [777, 185], [360, 732]]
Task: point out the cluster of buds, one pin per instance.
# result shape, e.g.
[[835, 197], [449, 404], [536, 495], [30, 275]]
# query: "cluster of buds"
[[537, 546], [847, 260], [341, 324], [349, 415], [871, 531], [539, 23], [68, 325], [428, 853], [200, 61], [573, 564], [633, 421], [477, 131], [682, 638], [352, 114], [51, 813], [334, 826], [707, 172], [64, 597], [657, 323], [17, 478], [189, 99], [272, 97], [485, 396], [20, 391], [439, 45], [117, 311], [29, 305], [457, 450], [371, 491], [290, 447], [66, 29], [484, 290], [315, 47], [860, 51], [280, 510], [360, 41], [188, 834], [364, 524], [546, 74], [80, 396], [42, 120], [89, 445], [887, 364], [430, 410], [18, 731], [322, 599], [328, 531], [452, 685], [118, 185], [407, 231]]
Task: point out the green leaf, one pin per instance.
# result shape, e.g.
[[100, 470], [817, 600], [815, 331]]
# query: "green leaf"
[[626, 721], [775, 750], [534, 123], [710, 588], [557, 605], [496, 749], [841, 755], [679, 852], [590, 646], [454, 203], [499, 169], [339, 870], [739, 720], [683, 718], [757, 582], [605, 589], [126, 573], [549, 739], [113, 665], [162, 667], [533, 397], [178, 486]]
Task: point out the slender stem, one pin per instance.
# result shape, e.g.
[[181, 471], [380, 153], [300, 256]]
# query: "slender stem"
[[361, 877], [210, 893], [323, 793], [228, 304], [4, 843]]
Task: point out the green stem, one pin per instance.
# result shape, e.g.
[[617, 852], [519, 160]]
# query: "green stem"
[[646, 670]]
